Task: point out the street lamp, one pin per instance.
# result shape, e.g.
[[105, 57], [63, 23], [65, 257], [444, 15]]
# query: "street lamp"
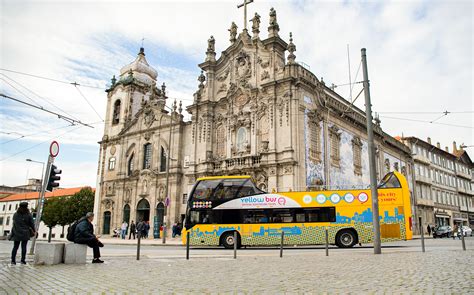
[[42, 169]]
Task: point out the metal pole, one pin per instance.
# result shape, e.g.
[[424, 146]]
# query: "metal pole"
[[138, 245], [372, 169], [327, 242], [235, 244], [462, 238], [422, 235], [187, 245], [167, 179], [39, 209], [281, 244]]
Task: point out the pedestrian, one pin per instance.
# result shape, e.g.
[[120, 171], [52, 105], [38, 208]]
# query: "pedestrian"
[[140, 229], [132, 230], [146, 228], [428, 228], [179, 228], [84, 234], [23, 229], [174, 230], [123, 229]]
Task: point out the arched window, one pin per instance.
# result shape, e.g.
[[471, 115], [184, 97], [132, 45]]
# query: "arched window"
[[130, 165], [112, 163], [116, 114], [126, 213], [221, 141], [163, 160], [241, 139], [147, 156]]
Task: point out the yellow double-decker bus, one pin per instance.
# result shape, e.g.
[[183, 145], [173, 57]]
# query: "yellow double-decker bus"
[[221, 205]]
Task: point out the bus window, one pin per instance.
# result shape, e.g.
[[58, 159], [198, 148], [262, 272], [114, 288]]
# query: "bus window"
[[323, 214], [204, 189], [282, 216], [390, 181], [256, 216], [224, 189]]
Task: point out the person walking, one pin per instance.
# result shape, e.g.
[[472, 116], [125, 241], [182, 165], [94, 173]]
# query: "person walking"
[[123, 230], [428, 228], [132, 230], [84, 234], [147, 228], [23, 228]]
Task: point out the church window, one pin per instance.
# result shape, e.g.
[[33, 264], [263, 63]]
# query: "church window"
[[112, 163], [147, 156], [314, 140], [163, 160], [116, 114], [357, 152], [130, 166], [335, 140], [221, 141], [241, 139]]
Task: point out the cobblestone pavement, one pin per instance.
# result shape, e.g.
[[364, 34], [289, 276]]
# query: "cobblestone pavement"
[[398, 270]]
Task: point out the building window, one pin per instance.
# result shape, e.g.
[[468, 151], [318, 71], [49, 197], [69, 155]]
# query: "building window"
[[314, 138], [241, 139], [357, 152], [130, 165], [3, 207], [163, 160], [10, 207], [185, 198], [221, 141], [1, 220], [335, 139], [147, 156], [8, 221], [112, 163], [116, 114]]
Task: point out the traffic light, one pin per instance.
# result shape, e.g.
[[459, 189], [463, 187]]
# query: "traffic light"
[[53, 177]]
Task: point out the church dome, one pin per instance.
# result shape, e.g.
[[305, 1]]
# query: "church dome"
[[140, 68]]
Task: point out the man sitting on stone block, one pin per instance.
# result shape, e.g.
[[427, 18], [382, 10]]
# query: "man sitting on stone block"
[[84, 234]]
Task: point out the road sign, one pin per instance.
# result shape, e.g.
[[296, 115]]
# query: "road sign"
[[54, 149], [167, 201]]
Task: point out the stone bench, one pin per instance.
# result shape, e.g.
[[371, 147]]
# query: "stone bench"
[[75, 253], [49, 253]]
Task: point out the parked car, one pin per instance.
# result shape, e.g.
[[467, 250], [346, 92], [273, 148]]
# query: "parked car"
[[443, 231], [466, 230]]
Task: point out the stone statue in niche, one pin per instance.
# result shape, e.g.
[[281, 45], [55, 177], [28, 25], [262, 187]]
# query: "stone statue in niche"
[[243, 69]]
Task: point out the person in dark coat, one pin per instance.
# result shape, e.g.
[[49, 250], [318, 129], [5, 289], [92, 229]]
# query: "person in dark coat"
[[84, 234], [132, 230], [23, 228], [428, 228]]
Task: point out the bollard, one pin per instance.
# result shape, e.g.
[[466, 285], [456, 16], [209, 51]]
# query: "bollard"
[[187, 246], [422, 235], [138, 246], [327, 242], [281, 244], [235, 244], [463, 242]]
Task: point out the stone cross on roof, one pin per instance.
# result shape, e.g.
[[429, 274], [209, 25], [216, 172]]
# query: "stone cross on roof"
[[245, 11]]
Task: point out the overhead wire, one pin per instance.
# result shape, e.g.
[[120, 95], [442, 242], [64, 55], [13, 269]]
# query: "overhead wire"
[[33, 134], [21, 92], [43, 98], [50, 79], [80, 92], [429, 122]]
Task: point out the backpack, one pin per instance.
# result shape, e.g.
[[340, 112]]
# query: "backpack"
[[71, 230]]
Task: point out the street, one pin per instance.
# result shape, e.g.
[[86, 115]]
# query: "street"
[[402, 267]]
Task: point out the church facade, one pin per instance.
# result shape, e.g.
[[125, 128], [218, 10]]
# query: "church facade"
[[256, 112]]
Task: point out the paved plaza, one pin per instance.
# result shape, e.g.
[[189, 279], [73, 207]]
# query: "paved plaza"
[[402, 268]]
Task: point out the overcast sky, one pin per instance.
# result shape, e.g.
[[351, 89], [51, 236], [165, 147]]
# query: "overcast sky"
[[420, 61]]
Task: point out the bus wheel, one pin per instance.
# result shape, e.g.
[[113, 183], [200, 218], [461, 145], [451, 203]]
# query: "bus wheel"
[[228, 240], [346, 238]]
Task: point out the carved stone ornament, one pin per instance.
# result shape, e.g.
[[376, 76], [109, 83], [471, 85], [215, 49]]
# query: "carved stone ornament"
[[149, 117], [108, 203], [147, 135], [243, 70], [113, 149], [265, 75], [223, 76], [241, 100]]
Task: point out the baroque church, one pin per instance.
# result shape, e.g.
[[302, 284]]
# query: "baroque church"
[[256, 112]]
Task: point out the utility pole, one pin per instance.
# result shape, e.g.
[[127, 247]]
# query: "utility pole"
[[373, 177]]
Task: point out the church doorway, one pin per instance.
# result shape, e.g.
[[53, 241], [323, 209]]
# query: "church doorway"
[[126, 213], [106, 227], [160, 213], [143, 211]]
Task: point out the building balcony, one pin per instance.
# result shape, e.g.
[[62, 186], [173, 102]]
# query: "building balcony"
[[422, 159], [463, 175], [423, 179], [237, 163], [462, 190], [424, 202]]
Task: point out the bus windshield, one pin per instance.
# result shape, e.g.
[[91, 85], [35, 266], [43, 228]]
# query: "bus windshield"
[[224, 189], [389, 181]]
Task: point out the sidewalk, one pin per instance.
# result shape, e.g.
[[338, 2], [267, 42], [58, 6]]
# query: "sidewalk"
[[150, 241]]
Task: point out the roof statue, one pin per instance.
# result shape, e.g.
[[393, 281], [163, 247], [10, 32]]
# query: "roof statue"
[[273, 28], [255, 25], [233, 32], [211, 49]]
